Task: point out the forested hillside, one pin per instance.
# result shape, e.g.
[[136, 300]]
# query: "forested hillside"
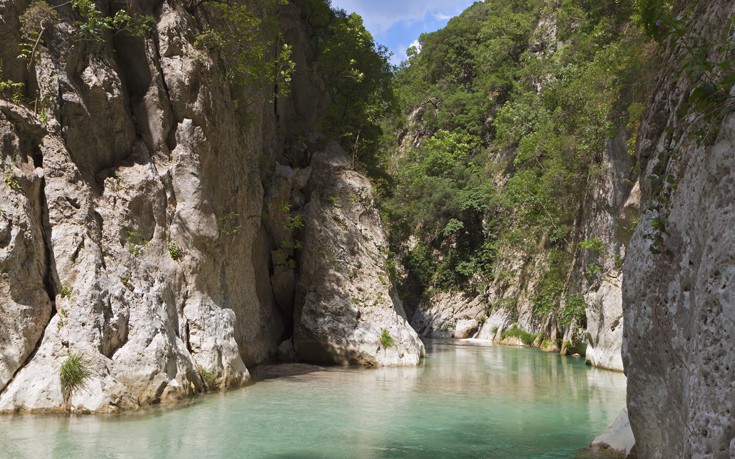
[[510, 119]]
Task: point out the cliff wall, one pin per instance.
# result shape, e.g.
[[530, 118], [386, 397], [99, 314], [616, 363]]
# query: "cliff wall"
[[137, 227], [678, 290]]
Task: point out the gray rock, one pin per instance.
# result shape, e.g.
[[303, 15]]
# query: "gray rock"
[[25, 303], [286, 351], [605, 326], [343, 300], [449, 315], [618, 438], [679, 304]]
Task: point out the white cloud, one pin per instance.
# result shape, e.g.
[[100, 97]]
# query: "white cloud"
[[401, 53], [442, 16], [381, 15]]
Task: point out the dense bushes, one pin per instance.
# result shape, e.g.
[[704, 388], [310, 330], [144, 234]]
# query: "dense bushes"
[[514, 103]]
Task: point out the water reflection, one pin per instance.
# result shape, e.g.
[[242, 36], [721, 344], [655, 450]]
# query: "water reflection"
[[466, 401]]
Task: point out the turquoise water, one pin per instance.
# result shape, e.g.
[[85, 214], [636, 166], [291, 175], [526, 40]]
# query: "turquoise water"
[[466, 401]]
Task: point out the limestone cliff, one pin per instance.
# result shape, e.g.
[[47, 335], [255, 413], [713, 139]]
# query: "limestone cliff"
[[678, 291], [132, 227]]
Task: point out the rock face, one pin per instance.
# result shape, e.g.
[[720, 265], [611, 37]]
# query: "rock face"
[[449, 315], [680, 271], [617, 439], [25, 307], [136, 222], [605, 326], [345, 307]]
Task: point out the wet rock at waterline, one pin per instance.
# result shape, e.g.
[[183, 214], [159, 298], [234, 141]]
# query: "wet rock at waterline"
[[617, 439]]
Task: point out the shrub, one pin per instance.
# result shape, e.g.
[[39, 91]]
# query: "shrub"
[[10, 89], [174, 251], [11, 180], [94, 24], [208, 377], [593, 245], [136, 243], [385, 339], [35, 20], [526, 338], [72, 375], [243, 40]]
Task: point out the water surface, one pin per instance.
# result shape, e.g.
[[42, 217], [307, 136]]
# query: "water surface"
[[465, 401]]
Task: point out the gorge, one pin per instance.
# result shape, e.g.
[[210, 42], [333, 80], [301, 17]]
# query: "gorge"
[[192, 189]]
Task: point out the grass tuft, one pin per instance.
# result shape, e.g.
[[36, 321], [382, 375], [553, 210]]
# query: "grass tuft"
[[386, 340], [72, 374]]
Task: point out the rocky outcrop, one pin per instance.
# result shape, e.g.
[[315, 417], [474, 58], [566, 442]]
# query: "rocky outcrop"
[[678, 298], [147, 199], [617, 440], [605, 325], [346, 310], [450, 315], [25, 306], [133, 229]]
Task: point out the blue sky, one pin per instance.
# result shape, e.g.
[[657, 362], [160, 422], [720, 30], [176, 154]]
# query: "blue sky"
[[398, 23]]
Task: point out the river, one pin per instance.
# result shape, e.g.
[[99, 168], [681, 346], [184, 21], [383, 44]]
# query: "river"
[[465, 401]]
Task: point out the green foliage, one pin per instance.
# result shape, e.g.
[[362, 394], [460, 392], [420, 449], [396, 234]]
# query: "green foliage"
[[229, 224], [243, 36], [294, 223], [125, 279], [655, 16], [635, 115], [358, 76], [526, 338], [135, 243], [551, 286], [209, 378], [65, 292], [174, 251], [72, 374], [573, 311], [94, 24], [385, 339], [593, 245], [11, 180], [494, 97], [10, 89], [34, 22]]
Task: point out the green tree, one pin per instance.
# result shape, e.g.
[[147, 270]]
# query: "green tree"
[[359, 79]]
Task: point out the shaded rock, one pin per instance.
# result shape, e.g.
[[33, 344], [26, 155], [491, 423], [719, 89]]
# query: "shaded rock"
[[678, 295], [618, 438], [25, 299], [449, 315], [286, 352]]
